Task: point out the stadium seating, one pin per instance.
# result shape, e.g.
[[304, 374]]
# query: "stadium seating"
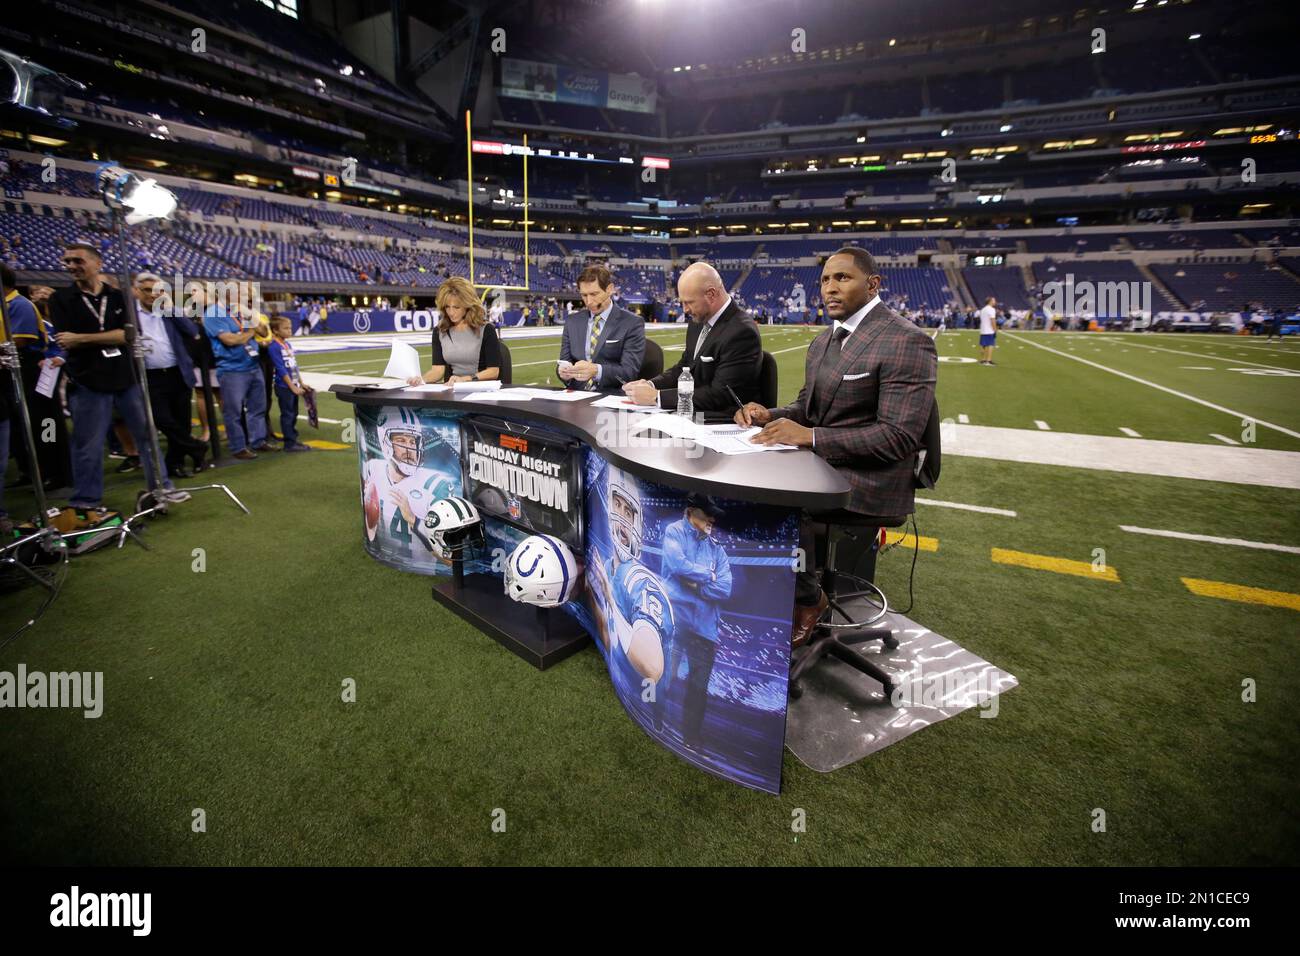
[[1230, 287], [1005, 284]]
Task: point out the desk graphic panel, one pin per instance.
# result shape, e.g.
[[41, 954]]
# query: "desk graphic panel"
[[693, 623], [694, 628], [410, 457]]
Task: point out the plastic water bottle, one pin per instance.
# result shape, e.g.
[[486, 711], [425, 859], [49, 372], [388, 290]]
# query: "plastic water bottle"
[[686, 394]]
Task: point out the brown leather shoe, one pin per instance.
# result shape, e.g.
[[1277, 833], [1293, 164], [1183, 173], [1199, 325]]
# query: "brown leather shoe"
[[806, 617], [244, 454]]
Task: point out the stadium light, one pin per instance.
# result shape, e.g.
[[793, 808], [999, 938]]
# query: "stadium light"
[[1194, 36]]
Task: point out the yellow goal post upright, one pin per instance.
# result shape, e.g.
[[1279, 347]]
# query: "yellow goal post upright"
[[469, 205]]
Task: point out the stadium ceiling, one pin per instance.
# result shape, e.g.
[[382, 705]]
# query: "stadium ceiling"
[[471, 27]]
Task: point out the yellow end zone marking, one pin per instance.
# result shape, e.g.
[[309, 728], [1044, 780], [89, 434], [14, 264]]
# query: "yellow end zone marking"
[[1242, 594], [908, 541], [1041, 562], [326, 445]]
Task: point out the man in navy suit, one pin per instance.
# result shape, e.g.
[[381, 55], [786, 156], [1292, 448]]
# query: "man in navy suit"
[[603, 345], [168, 336]]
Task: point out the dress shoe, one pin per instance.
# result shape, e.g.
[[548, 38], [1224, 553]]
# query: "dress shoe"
[[806, 617], [244, 454], [266, 446], [179, 471], [129, 463], [297, 446]]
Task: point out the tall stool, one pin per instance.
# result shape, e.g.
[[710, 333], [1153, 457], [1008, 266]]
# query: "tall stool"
[[839, 632]]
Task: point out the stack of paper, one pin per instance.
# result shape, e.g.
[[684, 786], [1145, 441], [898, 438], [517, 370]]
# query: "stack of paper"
[[624, 404], [737, 440], [428, 387], [724, 439], [523, 392], [491, 386], [497, 394]]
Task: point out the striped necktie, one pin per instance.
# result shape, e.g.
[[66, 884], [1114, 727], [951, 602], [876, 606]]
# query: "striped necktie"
[[824, 382], [596, 327]]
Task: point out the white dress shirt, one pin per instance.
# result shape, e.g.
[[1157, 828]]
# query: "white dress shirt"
[[152, 328], [708, 326]]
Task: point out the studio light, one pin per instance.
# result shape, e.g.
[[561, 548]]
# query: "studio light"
[[143, 199]]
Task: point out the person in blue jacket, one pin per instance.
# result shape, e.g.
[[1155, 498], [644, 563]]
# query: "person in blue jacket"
[[34, 337], [697, 573]]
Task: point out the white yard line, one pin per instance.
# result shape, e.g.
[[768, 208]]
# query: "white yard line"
[[332, 421], [1216, 358], [1140, 456], [960, 507], [1236, 542], [1129, 432], [1042, 426], [1164, 388], [963, 419], [1224, 438]]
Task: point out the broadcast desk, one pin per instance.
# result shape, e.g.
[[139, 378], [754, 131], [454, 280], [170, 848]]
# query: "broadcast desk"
[[694, 617], [797, 479]]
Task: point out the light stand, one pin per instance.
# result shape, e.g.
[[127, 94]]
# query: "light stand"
[[131, 201]]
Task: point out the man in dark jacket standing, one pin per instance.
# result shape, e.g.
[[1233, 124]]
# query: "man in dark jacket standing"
[[168, 338]]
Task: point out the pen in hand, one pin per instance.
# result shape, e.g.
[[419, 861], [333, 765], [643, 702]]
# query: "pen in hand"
[[740, 406]]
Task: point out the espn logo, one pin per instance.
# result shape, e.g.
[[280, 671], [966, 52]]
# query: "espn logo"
[[515, 443]]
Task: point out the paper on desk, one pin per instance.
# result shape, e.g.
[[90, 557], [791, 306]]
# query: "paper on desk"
[[491, 386], [625, 404], [403, 361], [49, 377], [551, 395], [724, 439], [428, 387], [498, 395], [735, 440], [673, 425]]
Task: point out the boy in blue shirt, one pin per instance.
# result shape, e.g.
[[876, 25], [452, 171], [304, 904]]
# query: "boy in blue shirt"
[[243, 390], [288, 383]]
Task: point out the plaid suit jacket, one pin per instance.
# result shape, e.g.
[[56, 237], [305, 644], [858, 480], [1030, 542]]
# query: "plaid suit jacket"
[[873, 423]]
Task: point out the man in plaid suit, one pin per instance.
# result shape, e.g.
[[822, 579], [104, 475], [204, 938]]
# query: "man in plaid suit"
[[864, 406]]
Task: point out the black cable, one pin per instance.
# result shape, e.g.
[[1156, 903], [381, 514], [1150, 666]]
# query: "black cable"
[[58, 574], [911, 577]]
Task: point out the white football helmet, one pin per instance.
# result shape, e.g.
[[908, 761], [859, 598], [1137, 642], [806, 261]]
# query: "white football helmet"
[[541, 571], [403, 424], [451, 525], [624, 509]]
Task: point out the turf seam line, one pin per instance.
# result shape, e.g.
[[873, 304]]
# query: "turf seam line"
[[1211, 539]]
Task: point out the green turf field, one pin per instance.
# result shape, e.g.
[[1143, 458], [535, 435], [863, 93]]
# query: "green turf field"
[[223, 687]]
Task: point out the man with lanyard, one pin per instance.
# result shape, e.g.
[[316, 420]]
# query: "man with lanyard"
[[168, 337], [89, 319]]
